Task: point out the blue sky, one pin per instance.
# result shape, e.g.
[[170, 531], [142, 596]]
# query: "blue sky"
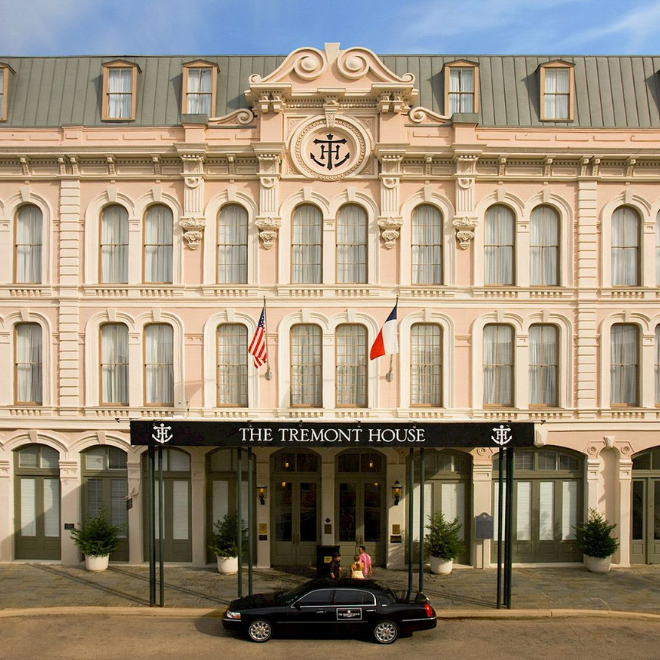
[[217, 27]]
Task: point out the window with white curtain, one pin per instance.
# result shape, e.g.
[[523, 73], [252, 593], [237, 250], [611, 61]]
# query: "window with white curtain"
[[426, 245], [28, 249], [159, 364], [158, 245], [307, 245], [499, 246], [29, 363], [544, 247], [351, 369], [119, 93], [543, 365], [306, 366], [232, 244], [624, 364], [200, 90], [625, 247], [498, 365], [657, 249], [114, 363], [232, 365], [461, 89], [3, 77], [657, 366], [352, 245], [114, 245], [556, 93], [425, 365]]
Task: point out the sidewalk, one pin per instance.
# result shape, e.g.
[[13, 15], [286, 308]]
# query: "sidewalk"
[[465, 593]]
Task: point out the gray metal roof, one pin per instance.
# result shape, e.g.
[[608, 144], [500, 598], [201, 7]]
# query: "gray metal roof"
[[611, 91]]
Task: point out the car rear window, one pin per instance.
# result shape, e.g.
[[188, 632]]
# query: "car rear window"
[[353, 597]]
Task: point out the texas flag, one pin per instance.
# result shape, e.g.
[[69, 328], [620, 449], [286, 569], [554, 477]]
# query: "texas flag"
[[386, 343]]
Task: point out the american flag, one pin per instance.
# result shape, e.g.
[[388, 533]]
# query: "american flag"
[[258, 343]]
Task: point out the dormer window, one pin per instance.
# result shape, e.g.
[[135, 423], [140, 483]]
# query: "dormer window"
[[119, 91], [461, 87], [199, 85], [557, 91], [4, 87]]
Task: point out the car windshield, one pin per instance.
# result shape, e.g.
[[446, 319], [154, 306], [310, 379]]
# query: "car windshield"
[[288, 597]]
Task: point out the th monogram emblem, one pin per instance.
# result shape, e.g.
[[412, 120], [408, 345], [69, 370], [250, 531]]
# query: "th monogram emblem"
[[330, 152], [502, 435], [162, 433]]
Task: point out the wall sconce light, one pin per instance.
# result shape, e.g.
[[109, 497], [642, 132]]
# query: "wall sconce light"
[[261, 494], [396, 492]]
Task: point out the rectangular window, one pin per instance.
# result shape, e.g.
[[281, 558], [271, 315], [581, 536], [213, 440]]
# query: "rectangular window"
[[306, 366], [199, 91], [556, 93], [569, 509], [119, 92], [351, 377], [547, 511], [461, 90], [114, 364], [159, 366], [498, 365], [426, 365], [624, 367], [543, 365], [524, 511], [232, 365], [28, 363]]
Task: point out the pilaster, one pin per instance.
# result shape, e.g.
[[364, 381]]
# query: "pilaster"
[[69, 509], [193, 221], [268, 220]]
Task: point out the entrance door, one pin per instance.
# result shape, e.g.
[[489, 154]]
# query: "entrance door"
[[361, 512], [37, 503], [177, 545], [645, 542], [296, 493]]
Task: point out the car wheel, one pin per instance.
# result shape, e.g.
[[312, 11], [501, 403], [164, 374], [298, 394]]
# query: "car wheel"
[[386, 632], [260, 630]]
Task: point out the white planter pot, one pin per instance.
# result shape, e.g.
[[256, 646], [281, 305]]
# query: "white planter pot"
[[441, 566], [597, 565], [96, 564], [227, 565]]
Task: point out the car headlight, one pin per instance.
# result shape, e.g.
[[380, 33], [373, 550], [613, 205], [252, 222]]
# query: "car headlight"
[[232, 615]]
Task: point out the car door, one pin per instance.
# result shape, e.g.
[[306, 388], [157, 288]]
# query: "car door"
[[313, 612], [354, 609]]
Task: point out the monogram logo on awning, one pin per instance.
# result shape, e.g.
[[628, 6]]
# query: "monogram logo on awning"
[[330, 152], [162, 433], [502, 435]]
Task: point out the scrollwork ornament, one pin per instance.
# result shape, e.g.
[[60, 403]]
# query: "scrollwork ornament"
[[390, 182], [465, 183], [268, 181], [193, 182]]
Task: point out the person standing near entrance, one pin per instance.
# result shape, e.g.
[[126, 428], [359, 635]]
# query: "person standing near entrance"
[[365, 560], [335, 570]]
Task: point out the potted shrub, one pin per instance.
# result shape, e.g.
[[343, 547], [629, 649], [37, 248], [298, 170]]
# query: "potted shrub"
[[97, 539], [223, 543], [595, 541], [443, 543]]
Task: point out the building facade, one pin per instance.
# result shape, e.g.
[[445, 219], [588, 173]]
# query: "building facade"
[[150, 207]]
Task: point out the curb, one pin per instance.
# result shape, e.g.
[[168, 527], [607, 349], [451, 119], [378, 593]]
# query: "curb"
[[196, 613]]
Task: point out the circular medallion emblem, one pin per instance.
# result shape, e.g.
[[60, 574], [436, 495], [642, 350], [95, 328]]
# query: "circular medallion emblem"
[[329, 152]]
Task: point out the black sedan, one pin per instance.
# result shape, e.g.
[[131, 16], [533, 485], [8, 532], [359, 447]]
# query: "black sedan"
[[327, 607]]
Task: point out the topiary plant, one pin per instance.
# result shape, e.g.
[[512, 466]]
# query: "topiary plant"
[[223, 542], [97, 536], [443, 539], [594, 536]]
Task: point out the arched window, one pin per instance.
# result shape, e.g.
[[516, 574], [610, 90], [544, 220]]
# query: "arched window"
[[624, 364], [657, 366], [498, 365], [307, 245], [543, 365], [544, 247], [351, 245], [29, 364], [306, 366], [351, 377], [426, 245], [625, 247], [159, 364], [232, 244], [499, 246], [114, 364], [158, 245], [232, 365], [28, 248], [426, 365], [114, 245]]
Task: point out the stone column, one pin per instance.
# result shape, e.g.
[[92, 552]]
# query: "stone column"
[[198, 504], [482, 502], [623, 530], [136, 492]]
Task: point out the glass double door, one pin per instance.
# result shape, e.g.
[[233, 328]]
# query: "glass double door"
[[38, 518], [361, 516], [645, 542], [296, 503]]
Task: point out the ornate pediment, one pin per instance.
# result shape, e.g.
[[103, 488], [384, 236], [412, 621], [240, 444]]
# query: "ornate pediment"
[[309, 77]]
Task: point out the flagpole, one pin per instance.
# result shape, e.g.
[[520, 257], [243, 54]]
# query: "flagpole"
[[389, 376], [269, 373]]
